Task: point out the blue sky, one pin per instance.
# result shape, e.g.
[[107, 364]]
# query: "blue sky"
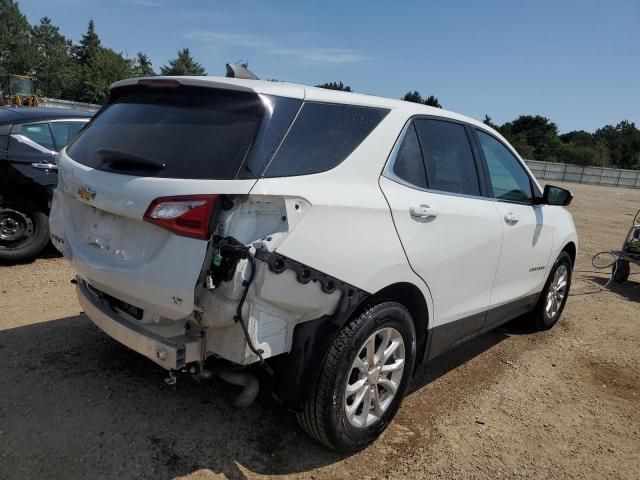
[[574, 61]]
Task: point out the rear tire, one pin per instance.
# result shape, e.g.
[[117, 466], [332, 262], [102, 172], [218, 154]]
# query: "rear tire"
[[24, 230], [352, 401], [620, 271], [554, 295]]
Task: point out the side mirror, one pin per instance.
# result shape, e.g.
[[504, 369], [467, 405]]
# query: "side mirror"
[[556, 196]]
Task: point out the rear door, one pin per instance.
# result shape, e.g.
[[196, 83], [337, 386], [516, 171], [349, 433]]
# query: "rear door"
[[450, 233], [31, 151], [139, 186], [527, 236]]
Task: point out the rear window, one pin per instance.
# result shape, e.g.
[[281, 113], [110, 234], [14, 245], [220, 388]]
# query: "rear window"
[[39, 133], [183, 132], [322, 136]]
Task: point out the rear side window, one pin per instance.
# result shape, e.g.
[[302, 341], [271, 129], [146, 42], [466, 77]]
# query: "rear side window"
[[322, 136], [408, 164], [39, 133], [448, 157], [509, 180], [183, 132], [63, 132]]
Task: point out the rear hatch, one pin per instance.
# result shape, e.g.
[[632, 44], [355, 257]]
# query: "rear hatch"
[[139, 186]]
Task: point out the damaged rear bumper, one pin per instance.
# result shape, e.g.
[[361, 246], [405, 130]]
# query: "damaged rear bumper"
[[171, 353]]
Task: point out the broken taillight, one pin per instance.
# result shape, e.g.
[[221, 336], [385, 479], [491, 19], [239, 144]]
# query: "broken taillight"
[[188, 215]]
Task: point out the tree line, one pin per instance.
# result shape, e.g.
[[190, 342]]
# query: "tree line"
[[62, 69], [83, 71]]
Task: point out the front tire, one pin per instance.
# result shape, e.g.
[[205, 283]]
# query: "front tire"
[[24, 230], [363, 379], [554, 295]]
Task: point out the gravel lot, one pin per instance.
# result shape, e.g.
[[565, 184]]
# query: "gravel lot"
[[512, 403]]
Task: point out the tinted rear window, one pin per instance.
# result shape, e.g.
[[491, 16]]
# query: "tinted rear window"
[[408, 164], [195, 132], [322, 136]]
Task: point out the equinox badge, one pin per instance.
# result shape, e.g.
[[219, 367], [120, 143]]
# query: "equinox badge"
[[86, 193]]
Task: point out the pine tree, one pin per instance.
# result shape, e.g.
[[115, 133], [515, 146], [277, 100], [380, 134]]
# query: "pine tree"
[[142, 66], [89, 45], [184, 64], [55, 71]]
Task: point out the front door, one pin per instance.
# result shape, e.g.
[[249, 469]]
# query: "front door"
[[527, 238]]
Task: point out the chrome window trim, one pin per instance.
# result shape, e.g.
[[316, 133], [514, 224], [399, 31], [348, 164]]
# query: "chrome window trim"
[[27, 141], [70, 120]]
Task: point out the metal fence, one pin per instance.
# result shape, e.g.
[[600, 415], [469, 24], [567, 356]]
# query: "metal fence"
[[68, 104], [614, 177]]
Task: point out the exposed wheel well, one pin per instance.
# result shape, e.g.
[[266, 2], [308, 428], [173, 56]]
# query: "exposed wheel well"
[[411, 297], [570, 248]]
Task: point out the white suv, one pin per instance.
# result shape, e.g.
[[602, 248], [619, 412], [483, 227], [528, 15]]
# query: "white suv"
[[337, 239]]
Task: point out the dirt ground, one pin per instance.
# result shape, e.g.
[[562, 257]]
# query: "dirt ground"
[[512, 403]]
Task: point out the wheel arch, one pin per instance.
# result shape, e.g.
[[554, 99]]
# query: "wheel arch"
[[412, 298], [571, 249]]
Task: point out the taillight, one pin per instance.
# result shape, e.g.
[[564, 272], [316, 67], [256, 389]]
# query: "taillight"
[[188, 215]]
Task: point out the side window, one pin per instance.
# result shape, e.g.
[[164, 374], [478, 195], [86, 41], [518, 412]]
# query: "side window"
[[509, 180], [448, 157], [39, 133], [408, 163], [322, 136], [63, 132]]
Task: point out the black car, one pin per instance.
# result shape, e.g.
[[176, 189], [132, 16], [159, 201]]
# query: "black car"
[[29, 141]]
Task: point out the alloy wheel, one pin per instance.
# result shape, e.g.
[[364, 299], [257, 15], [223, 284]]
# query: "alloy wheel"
[[557, 291], [374, 378]]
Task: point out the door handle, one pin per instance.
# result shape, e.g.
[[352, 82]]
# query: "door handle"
[[511, 218], [423, 212]]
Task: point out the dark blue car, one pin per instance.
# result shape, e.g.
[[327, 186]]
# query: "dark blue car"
[[29, 141]]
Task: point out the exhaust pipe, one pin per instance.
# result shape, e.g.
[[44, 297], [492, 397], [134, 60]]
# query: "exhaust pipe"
[[242, 379], [249, 382]]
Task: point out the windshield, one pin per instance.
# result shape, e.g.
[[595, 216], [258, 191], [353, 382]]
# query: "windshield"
[[20, 86]]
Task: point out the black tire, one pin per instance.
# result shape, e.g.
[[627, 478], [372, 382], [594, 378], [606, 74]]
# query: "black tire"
[[324, 416], [540, 318], [24, 230], [620, 271]]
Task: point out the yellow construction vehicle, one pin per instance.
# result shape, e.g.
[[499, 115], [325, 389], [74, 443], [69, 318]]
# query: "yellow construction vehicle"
[[19, 90]]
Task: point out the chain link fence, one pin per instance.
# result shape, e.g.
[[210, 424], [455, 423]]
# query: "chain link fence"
[[615, 177]]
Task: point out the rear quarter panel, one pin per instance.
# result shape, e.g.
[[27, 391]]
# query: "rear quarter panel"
[[349, 232]]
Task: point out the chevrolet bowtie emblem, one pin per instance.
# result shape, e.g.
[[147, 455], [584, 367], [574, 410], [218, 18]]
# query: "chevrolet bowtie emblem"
[[86, 193]]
